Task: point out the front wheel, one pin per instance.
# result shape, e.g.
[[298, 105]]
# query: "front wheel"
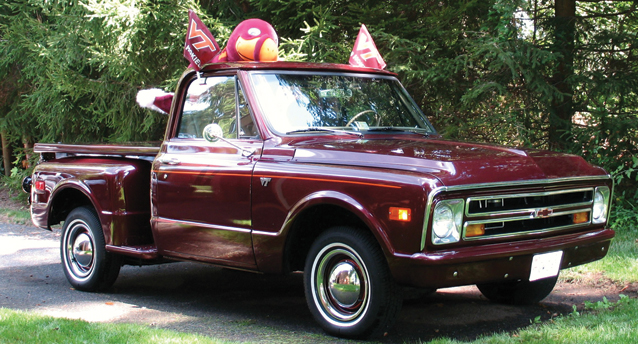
[[86, 263], [348, 285], [518, 292]]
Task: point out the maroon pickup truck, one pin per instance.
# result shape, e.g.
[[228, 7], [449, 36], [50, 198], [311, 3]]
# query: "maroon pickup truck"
[[327, 169]]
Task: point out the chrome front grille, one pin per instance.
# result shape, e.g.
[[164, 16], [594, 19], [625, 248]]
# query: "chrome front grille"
[[515, 214], [516, 210]]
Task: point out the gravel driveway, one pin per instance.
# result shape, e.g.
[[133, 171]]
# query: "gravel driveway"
[[242, 306]]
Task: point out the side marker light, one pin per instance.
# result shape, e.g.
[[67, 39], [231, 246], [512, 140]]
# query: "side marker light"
[[400, 214]]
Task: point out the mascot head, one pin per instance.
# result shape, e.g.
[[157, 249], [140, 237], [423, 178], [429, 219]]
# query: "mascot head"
[[253, 40]]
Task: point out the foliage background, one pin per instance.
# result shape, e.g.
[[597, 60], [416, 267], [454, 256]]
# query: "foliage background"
[[549, 74]]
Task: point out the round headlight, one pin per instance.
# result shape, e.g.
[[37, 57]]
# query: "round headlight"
[[443, 222], [599, 205]]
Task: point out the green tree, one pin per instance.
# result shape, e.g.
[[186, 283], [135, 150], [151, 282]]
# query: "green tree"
[[555, 74], [81, 63], [551, 74]]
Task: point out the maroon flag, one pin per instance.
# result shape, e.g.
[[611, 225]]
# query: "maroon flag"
[[200, 46], [365, 53]]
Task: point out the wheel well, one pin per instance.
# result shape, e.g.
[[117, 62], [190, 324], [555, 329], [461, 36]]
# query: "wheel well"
[[308, 225], [64, 202]]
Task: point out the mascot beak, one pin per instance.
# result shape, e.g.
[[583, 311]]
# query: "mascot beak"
[[268, 51], [252, 50]]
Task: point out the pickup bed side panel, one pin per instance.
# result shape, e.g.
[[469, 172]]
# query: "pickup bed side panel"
[[118, 189]]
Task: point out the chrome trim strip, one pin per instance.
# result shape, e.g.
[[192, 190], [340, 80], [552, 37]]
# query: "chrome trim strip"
[[606, 199], [428, 208], [518, 234], [522, 195], [200, 224], [523, 218], [530, 194], [522, 211], [272, 234], [527, 182], [440, 189], [453, 204]]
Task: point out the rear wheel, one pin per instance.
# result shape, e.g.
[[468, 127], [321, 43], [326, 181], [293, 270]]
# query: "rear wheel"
[[518, 292], [348, 285], [86, 263]]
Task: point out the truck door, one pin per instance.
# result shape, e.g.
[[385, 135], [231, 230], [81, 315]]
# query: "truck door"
[[201, 189]]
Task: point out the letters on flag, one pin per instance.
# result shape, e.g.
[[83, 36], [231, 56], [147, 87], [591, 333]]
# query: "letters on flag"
[[200, 47], [365, 53]]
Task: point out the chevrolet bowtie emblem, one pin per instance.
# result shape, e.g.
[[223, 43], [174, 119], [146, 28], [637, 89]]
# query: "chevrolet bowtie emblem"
[[542, 213]]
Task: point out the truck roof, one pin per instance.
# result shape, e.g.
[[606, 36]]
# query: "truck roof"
[[300, 66]]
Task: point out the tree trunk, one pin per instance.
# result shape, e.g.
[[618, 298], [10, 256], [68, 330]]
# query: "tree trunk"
[[562, 108], [28, 151], [7, 153]]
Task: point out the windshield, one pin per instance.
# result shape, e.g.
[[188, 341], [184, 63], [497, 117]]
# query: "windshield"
[[293, 103]]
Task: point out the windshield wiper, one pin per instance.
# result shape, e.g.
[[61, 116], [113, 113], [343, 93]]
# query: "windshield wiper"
[[386, 129], [320, 129], [420, 131]]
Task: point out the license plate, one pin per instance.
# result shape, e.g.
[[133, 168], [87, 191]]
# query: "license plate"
[[545, 265]]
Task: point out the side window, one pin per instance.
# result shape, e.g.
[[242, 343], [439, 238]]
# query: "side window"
[[209, 100], [248, 129]]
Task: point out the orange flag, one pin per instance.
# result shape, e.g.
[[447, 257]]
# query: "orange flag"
[[365, 53]]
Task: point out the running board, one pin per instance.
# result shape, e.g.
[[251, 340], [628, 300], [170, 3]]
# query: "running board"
[[146, 252]]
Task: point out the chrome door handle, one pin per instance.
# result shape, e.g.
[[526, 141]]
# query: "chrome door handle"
[[169, 161]]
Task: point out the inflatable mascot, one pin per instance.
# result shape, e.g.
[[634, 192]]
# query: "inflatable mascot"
[[251, 40]]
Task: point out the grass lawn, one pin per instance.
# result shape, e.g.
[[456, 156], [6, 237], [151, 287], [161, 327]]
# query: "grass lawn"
[[19, 216], [621, 263], [603, 322], [26, 327]]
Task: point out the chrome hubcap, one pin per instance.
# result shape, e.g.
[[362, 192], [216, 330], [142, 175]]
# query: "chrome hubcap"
[[79, 250], [344, 284], [83, 250], [341, 285]]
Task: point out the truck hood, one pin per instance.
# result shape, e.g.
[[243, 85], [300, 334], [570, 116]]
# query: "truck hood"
[[453, 163]]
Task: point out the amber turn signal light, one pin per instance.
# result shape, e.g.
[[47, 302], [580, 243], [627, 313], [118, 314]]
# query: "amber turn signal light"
[[400, 214], [474, 230], [581, 217]]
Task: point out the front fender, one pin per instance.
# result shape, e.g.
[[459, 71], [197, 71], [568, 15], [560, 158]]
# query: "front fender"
[[346, 202]]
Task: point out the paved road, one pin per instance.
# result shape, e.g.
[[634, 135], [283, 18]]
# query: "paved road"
[[234, 305]]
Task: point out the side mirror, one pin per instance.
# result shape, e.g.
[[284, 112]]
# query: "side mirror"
[[213, 133]]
